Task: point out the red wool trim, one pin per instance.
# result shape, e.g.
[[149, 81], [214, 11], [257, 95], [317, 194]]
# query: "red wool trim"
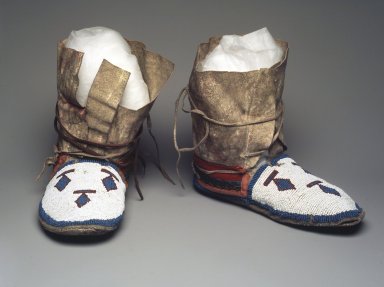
[[221, 190], [222, 176]]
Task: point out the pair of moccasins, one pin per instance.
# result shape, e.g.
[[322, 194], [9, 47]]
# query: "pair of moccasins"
[[239, 156], [88, 197]]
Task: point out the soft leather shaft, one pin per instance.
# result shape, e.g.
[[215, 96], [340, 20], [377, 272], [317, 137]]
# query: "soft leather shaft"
[[103, 127], [234, 97]]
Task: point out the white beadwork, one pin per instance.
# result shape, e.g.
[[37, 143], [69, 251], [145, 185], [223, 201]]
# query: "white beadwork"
[[302, 199], [103, 204]]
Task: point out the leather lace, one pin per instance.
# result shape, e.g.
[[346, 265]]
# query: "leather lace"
[[122, 159], [207, 120]]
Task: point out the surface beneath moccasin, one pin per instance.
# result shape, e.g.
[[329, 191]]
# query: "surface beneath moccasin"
[[83, 197], [287, 193]]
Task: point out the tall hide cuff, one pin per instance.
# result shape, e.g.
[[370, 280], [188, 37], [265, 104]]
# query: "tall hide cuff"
[[103, 128], [238, 97]]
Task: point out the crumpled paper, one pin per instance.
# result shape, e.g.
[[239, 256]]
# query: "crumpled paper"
[[97, 44], [246, 53]]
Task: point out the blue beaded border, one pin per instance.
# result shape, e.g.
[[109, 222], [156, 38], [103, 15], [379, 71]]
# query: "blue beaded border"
[[298, 218], [295, 216], [101, 222]]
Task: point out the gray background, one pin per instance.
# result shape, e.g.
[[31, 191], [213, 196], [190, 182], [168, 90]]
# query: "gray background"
[[177, 237]]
